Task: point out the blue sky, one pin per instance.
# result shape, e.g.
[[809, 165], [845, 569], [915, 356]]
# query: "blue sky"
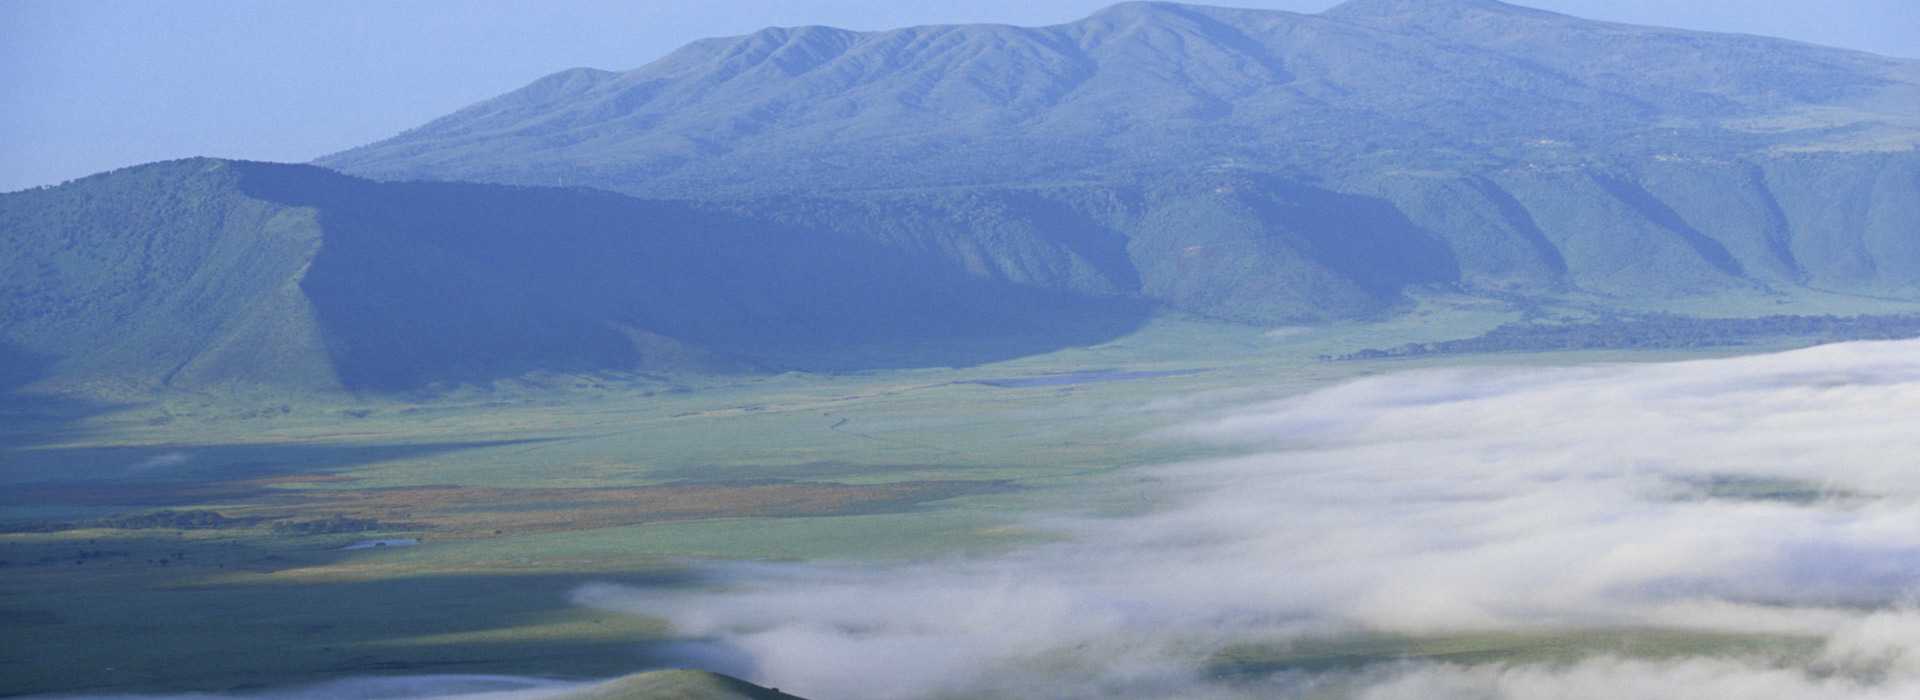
[[90, 85]]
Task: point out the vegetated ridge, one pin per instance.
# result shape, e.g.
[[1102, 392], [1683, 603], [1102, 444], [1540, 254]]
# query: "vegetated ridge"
[[1267, 166], [819, 199]]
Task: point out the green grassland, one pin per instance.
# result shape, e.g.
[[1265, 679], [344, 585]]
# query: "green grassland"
[[520, 493], [1547, 646]]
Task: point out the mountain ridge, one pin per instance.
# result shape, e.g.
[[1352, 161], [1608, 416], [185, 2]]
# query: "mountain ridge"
[[825, 200], [1124, 92], [204, 273]]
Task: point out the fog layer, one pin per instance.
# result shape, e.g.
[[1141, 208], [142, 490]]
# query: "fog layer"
[[1767, 500]]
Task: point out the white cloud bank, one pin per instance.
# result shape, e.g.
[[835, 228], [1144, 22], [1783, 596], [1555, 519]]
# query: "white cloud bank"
[[1766, 495]]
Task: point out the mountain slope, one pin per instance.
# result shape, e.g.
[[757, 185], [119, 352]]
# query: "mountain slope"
[[1150, 90], [1271, 166], [676, 685], [821, 199], [200, 273], [206, 273]]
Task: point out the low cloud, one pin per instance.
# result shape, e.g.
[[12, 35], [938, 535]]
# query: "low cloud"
[[1772, 496]]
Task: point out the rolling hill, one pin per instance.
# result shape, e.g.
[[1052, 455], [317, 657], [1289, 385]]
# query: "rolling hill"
[[677, 685]]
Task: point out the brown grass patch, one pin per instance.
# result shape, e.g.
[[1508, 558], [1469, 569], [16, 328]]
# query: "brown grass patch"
[[479, 511], [475, 511]]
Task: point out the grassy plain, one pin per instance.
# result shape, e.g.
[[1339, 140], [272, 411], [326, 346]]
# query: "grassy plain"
[[520, 494]]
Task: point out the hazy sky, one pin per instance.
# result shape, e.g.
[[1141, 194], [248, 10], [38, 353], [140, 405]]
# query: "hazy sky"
[[90, 85]]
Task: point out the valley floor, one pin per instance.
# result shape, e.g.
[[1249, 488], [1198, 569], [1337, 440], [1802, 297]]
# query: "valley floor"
[[115, 578]]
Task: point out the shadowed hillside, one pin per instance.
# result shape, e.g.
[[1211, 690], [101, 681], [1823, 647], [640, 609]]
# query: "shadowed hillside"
[[202, 272], [205, 273], [1269, 166]]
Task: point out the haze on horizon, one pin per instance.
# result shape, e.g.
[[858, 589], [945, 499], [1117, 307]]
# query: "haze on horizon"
[[108, 84]]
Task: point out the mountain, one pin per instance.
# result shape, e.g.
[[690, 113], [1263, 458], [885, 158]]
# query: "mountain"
[[1279, 167], [1144, 91], [204, 273], [819, 199]]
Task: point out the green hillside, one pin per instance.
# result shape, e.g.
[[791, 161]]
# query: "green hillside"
[[204, 273], [676, 685]]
